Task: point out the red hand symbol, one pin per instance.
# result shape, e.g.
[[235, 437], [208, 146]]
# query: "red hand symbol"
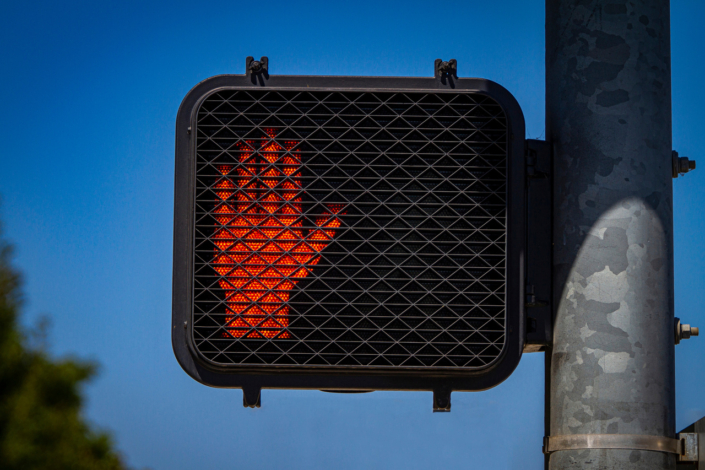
[[261, 248]]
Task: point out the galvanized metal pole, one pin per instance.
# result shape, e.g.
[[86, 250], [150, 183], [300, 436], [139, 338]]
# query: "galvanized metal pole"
[[608, 116]]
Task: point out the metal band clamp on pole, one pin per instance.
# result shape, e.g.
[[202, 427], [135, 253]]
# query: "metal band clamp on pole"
[[611, 441]]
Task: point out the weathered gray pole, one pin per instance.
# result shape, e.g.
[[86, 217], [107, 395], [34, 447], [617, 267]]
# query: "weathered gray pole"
[[608, 116]]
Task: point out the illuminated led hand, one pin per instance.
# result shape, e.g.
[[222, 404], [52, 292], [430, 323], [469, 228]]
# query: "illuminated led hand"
[[262, 248]]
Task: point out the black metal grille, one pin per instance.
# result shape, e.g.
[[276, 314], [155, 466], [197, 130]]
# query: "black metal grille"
[[405, 193]]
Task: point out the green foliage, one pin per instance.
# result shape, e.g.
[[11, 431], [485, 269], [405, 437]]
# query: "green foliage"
[[41, 426]]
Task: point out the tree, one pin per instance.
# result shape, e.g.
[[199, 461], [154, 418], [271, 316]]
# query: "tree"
[[41, 426]]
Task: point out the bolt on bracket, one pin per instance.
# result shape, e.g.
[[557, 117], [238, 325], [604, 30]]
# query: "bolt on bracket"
[[685, 331], [681, 165]]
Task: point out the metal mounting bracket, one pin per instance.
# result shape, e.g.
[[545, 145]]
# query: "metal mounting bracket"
[[441, 399], [257, 70], [611, 441], [692, 446], [689, 447], [539, 322], [445, 72], [251, 397]]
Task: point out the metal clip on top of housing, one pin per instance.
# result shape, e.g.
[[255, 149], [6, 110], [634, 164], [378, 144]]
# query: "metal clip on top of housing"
[[445, 72], [257, 70]]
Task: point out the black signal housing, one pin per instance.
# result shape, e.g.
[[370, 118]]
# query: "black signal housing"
[[420, 286]]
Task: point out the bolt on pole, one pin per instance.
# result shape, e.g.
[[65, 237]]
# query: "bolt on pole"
[[608, 117]]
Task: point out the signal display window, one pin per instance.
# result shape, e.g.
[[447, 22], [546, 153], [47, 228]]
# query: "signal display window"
[[350, 229]]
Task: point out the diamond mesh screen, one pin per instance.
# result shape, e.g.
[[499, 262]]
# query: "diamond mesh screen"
[[350, 229]]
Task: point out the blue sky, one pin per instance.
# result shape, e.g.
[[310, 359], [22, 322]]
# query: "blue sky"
[[89, 93]]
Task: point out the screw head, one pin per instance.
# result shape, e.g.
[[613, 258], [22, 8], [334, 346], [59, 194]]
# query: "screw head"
[[255, 65]]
